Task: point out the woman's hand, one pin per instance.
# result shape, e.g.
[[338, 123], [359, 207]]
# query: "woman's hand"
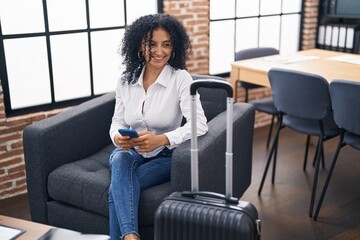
[[125, 142], [148, 141]]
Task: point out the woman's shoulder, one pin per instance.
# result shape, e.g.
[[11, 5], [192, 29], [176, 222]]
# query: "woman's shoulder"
[[124, 86], [181, 75], [181, 80]]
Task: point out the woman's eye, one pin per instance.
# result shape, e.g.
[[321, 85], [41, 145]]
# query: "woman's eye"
[[167, 45]]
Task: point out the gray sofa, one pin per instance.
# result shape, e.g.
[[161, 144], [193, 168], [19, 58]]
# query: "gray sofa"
[[66, 159]]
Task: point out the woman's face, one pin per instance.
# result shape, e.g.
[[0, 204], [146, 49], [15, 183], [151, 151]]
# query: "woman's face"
[[160, 50]]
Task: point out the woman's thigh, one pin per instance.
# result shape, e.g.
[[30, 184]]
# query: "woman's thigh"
[[154, 172]]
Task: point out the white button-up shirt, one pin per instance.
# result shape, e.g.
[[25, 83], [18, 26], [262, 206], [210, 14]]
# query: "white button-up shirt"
[[160, 109]]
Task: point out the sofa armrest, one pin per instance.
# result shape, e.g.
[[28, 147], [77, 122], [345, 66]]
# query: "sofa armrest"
[[212, 148], [69, 136]]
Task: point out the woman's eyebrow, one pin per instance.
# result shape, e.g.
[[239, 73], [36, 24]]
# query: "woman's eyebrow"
[[168, 40]]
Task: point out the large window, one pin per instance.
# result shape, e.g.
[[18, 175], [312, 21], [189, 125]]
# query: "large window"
[[55, 53], [241, 24]]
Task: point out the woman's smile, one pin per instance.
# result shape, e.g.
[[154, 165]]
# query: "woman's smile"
[[160, 48]]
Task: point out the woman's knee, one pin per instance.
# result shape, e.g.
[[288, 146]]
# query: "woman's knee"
[[119, 156], [122, 158]]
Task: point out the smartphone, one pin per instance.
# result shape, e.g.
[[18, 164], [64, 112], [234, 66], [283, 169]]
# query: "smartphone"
[[128, 132]]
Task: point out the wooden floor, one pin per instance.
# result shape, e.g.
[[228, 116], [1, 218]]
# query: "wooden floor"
[[283, 207]]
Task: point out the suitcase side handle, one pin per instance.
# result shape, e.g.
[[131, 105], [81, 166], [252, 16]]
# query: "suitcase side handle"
[[212, 195], [211, 84]]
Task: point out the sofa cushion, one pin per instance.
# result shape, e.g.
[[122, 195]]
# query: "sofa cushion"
[[83, 183]]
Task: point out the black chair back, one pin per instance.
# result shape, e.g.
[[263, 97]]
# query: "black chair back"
[[300, 94], [252, 53], [345, 97], [255, 52]]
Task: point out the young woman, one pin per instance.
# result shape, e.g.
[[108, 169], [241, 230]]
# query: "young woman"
[[152, 97]]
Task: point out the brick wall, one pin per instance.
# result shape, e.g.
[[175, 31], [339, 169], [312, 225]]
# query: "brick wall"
[[12, 167], [310, 24], [195, 16]]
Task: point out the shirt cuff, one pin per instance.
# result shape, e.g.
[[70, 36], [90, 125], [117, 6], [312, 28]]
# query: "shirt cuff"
[[112, 136], [174, 138]]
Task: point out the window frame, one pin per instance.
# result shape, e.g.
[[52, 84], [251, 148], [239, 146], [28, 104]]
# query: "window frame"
[[47, 33], [259, 16]]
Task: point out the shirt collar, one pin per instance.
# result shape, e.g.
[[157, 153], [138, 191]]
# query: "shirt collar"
[[163, 78]]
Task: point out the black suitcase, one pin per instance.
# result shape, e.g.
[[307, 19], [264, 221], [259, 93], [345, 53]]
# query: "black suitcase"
[[199, 215]]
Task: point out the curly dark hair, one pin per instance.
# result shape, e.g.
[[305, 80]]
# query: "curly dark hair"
[[140, 32]]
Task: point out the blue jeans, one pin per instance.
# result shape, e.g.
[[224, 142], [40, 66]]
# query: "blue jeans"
[[130, 174]]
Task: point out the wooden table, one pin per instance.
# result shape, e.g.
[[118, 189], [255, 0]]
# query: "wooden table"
[[255, 70], [33, 230]]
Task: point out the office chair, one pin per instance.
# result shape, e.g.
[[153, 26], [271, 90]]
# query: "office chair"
[[345, 98], [303, 104], [262, 105]]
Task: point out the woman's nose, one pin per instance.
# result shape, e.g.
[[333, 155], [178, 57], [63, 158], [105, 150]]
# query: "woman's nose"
[[158, 48]]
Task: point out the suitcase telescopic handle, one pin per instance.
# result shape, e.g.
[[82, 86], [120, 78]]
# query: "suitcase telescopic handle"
[[210, 83]]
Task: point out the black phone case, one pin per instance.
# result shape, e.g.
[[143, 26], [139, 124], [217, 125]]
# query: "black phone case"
[[128, 132]]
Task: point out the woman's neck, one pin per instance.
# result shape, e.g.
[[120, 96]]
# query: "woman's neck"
[[150, 76]]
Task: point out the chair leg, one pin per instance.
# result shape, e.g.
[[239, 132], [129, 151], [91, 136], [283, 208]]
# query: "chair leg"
[[316, 173], [270, 131], [274, 162], [340, 145], [306, 152], [316, 153], [272, 151], [323, 158], [317, 165]]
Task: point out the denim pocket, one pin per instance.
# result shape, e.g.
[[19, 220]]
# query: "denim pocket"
[[166, 152]]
